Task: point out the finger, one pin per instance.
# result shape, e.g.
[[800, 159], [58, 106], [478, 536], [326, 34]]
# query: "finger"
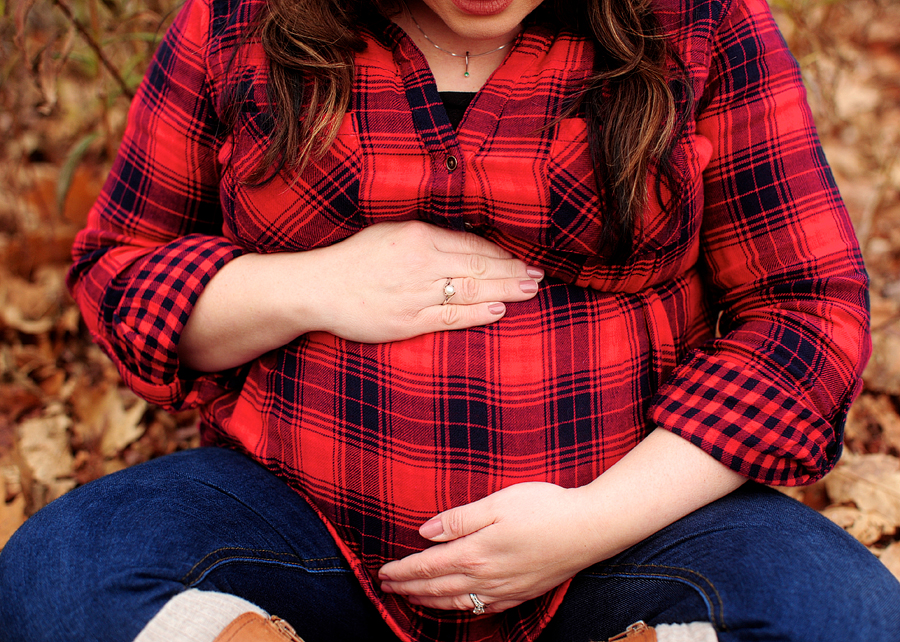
[[451, 603], [458, 522], [454, 242], [467, 291], [463, 603], [443, 586], [485, 267], [457, 561], [437, 318], [437, 562]]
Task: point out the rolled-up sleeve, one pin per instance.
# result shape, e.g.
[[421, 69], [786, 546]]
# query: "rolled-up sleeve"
[[769, 396], [154, 237]]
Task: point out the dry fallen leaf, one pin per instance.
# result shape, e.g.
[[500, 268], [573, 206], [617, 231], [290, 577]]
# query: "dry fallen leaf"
[[890, 557], [871, 482], [108, 415], [873, 423], [123, 425], [16, 400], [867, 527], [44, 444], [12, 513], [31, 306], [883, 309], [883, 372]]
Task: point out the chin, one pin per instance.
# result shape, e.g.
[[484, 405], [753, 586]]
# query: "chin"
[[482, 19]]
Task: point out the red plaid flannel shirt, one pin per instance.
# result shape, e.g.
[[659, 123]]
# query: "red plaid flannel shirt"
[[382, 437]]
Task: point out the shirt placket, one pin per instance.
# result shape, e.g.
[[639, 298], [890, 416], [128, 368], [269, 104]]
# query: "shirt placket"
[[445, 187]]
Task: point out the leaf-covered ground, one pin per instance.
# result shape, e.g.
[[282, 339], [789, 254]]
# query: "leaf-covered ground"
[[66, 70]]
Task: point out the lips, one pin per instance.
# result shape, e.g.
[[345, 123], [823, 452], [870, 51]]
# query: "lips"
[[482, 7]]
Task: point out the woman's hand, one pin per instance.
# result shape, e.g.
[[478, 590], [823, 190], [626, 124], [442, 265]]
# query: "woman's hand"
[[522, 541], [386, 282], [509, 547]]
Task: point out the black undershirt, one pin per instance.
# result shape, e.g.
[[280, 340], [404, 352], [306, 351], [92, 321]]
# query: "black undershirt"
[[455, 104]]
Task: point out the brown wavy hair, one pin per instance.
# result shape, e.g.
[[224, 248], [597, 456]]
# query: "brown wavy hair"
[[634, 105]]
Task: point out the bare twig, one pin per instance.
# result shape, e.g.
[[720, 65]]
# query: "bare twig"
[[22, 11], [93, 44]]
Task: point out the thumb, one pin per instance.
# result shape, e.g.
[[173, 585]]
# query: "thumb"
[[457, 522]]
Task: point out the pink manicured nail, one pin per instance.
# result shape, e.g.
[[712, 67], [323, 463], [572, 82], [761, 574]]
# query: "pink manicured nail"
[[528, 287], [535, 273], [497, 308], [431, 528]]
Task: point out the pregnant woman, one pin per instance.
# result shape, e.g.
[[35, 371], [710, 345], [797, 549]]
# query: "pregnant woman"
[[501, 316]]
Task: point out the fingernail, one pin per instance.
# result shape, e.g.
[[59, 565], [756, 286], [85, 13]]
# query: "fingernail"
[[528, 287], [497, 308], [535, 273], [431, 528]]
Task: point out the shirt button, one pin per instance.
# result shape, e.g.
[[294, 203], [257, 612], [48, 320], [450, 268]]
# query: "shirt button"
[[451, 163]]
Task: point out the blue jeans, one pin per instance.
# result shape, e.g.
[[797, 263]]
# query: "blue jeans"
[[98, 563]]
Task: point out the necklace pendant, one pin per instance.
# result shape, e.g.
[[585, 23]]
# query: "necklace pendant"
[[450, 53]]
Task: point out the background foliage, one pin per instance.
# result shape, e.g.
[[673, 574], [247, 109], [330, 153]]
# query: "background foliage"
[[68, 69]]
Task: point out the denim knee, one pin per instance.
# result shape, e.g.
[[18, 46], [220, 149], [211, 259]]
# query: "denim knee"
[[100, 562], [756, 564], [60, 571], [807, 573]]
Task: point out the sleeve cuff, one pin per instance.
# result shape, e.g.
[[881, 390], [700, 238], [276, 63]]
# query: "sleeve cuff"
[[749, 423], [145, 310]]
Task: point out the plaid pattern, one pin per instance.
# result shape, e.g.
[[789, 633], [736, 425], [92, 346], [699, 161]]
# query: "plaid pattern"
[[382, 437]]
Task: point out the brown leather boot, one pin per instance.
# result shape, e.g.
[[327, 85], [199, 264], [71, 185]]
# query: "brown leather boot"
[[253, 627], [637, 632]]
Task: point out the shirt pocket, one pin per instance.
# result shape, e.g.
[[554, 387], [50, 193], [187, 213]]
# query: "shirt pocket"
[[538, 187], [292, 212], [672, 224], [574, 219]]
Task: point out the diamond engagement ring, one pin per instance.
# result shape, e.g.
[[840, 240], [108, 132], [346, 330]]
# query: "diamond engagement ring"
[[479, 605], [449, 291]]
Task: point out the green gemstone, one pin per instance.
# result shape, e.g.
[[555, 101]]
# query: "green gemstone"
[[466, 74]]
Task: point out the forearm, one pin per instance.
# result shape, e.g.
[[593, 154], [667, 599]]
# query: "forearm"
[[660, 481], [252, 305], [382, 284]]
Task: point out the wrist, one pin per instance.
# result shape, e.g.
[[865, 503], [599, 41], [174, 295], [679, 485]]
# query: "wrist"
[[605, 526], [657, 483], [252, 305]]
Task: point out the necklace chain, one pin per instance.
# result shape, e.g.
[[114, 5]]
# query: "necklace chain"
[[466, 55]]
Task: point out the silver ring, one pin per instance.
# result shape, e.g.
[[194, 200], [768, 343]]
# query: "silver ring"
[[449, 291], [479, 605]]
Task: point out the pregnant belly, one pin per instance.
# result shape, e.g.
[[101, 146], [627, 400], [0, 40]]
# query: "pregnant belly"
[[382, 437]]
